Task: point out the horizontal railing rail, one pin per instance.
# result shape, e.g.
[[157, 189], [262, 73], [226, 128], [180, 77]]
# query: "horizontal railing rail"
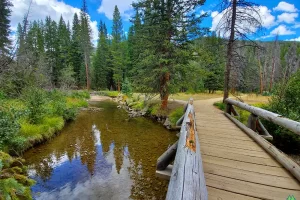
[[187, 179], [254, 125]]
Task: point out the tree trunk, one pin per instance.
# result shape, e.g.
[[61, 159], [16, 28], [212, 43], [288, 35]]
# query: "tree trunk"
[[87, 73], [229, 51], [119, 86], [272, 74], [261, 87], [164, 91]]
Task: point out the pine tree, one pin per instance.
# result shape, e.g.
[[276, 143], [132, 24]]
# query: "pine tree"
[[167, 29], [100, 59], [76, 57], [85, 39], [117, 62], [5, 13]]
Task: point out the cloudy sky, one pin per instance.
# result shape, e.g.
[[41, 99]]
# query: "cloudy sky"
[[279, 17]]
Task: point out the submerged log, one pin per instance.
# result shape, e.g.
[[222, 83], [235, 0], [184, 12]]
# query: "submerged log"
[[167, 157]]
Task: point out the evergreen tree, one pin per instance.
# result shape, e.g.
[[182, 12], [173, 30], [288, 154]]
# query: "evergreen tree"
[[5, 13], [167, 29], [85, 39], [76, 57], [117, 62], [100, 59]]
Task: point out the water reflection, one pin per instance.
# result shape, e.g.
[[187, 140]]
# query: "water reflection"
[[101, 155]]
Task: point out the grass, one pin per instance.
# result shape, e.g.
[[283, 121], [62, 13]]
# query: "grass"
[[197, 96], [175, 115], [44, 130], [73, 102], [111, 94]]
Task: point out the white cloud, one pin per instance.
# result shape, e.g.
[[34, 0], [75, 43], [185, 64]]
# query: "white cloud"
[[284, 6], [287, 17], [42, 8], [295, 39], [268, 20], [282, 30], [124, 6]]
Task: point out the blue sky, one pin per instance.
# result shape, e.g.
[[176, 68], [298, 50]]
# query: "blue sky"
[[279, 17]]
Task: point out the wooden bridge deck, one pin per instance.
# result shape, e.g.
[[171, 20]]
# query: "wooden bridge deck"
[[235, 166]]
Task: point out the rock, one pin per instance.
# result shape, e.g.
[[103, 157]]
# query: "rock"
[[167, 123], [119, 106]]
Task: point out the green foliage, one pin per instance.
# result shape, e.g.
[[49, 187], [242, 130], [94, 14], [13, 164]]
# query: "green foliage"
[[8, 125], [176, 114], [126, 87], [80, 94], [14, 184], [286, 101], [220, 105], [139, 105], [44, 130], [112, 94], [35, 100]]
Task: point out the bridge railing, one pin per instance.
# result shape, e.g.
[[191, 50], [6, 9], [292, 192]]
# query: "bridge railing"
[[254, 126], [187, 179]]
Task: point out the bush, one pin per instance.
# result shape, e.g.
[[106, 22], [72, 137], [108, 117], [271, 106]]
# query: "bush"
[[286, 101], [8, 126], [175, 115], [126, 87], [111, 94], [35, 100], [220, 105], [15, 184], [80, 94]]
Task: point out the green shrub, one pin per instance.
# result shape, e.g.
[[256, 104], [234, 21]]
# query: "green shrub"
[[111, 94], [220, 105], [15, 184], [80, 94], [285, 101], [9, 126], [35, 100], [126, 87], [175, 115], [138, 105]]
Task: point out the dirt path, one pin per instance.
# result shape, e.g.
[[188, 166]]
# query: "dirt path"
[[99, 98]]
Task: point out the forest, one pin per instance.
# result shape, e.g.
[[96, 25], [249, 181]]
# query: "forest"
[[46, 74]]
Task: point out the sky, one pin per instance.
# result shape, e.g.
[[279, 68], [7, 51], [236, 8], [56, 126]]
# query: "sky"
[[278, 17]]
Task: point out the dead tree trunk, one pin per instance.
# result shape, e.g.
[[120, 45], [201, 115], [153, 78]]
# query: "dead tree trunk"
[[230, 51]]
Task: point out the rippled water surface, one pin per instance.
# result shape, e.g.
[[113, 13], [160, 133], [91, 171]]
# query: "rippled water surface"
[[101, 155]]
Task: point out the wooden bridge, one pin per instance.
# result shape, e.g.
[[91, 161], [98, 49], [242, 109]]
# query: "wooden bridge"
[[218, 157]]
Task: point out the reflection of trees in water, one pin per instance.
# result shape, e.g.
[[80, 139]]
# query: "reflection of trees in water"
[[144, 141]]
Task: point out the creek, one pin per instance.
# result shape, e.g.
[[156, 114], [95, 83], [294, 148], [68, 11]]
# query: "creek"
[[101, 155]]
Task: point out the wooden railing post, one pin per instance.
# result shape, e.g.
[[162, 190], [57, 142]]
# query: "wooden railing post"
[[252, 122]]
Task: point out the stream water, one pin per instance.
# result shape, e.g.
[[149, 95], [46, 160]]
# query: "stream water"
[[101, 155]]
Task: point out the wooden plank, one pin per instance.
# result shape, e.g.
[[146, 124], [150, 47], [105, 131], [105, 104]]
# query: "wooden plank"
[[245, 144], [187, 179], [203, 142], [249, 189], [226, 137], [242, 158], [164, 174], [217, 194], [276, 171], [253, 177], [267, 115], [259, 154], [288, 163]]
